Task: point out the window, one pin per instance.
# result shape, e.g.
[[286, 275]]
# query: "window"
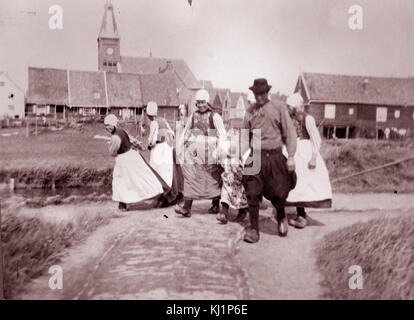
[[11, 107], [396, 114], [88, 111], [330, 111], [96, 95], [381, 114], [351, 111]]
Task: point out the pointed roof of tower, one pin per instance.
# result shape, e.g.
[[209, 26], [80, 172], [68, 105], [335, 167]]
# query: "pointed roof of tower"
[[109, 28]]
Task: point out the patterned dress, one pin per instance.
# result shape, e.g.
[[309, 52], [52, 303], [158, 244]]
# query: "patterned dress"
[[232, 191]]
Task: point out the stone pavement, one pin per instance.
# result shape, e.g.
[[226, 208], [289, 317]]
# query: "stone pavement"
[[154, 254], [157, 254]]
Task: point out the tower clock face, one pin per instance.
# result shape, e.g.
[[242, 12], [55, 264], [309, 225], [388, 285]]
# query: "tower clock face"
[[110, 51]]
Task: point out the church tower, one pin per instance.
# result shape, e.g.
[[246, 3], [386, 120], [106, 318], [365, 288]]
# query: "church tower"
[[109, 53]]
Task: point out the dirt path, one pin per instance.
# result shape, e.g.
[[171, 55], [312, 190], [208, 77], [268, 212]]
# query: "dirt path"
[[157, 254]]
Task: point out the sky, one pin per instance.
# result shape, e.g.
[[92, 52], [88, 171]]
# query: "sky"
[[230, 42]]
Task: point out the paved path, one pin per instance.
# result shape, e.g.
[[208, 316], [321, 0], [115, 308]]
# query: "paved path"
[[145, 255], [157, 254]]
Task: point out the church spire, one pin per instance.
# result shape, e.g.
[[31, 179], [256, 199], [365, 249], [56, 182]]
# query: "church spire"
[[109, 42], [109, 29]]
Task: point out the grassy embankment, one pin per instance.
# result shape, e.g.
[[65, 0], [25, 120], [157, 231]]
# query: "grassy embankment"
[[344, 158], [31, 244], [384, 250]]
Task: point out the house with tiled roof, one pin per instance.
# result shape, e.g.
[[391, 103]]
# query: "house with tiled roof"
[[64, 92], [348, 106], [122, 85]]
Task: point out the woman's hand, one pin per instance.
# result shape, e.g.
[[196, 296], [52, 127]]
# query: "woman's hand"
[[312, 163]]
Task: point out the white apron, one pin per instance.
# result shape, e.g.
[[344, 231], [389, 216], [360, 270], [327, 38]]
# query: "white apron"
[[133, 180], [313, 186], [161, 160]]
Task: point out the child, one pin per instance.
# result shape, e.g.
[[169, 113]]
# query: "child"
[[232, 191]]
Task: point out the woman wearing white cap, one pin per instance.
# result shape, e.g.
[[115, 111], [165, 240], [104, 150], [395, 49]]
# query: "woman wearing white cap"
[[313, 188], [203, 132], [132, 179], [160, 142]]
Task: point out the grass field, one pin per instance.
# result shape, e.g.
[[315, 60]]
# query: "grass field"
[[383, 248], [64, 148]]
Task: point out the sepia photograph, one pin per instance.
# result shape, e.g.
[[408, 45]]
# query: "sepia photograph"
[[226, 151]]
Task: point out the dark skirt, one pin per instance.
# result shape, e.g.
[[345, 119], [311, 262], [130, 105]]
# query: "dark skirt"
[[273, 181]]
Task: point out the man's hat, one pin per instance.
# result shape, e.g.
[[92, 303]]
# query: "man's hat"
[[260, 86]]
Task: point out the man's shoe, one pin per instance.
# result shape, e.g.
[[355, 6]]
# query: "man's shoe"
[[183, 211], [251, 235], [301, 222], [222, 218], [214, 209], [282, 227], [240, 217]]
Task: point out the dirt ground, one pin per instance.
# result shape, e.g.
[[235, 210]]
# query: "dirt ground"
[[157, 254]]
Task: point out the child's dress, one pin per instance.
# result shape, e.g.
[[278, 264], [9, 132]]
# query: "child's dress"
[[232, 191]]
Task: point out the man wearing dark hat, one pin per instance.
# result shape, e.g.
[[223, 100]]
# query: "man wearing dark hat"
[[276, 177]]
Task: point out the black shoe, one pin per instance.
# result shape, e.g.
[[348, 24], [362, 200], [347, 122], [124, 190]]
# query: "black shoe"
[[251, 235], [122, 206], [214, 209]]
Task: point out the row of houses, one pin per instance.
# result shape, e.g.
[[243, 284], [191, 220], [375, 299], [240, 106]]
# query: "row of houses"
[[344, 106], [347, 106], [62, 92]]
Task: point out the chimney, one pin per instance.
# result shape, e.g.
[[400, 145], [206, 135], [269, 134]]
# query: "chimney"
[[365, 84], [170, 66]]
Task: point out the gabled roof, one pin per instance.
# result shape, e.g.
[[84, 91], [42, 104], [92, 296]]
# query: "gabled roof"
[[277, 99], [109, 29], [186, 96], [358, 89], [124, 89], [159, 88], [87, 88], [234, 98], [149, 65], [206, 84], [6, 75], [47, 86]]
